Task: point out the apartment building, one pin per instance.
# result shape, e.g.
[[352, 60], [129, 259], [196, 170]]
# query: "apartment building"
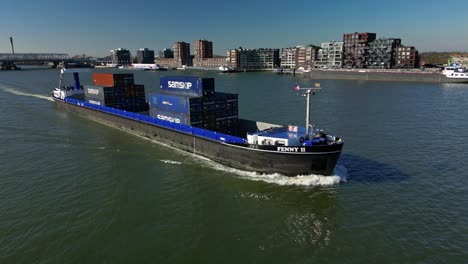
[[182, 53], [121, 56], [306, 56], [253, 59], [145, 55], [381, 53], [330, 55], [355, 49], [288, 58], [202, 49], [406, 57]]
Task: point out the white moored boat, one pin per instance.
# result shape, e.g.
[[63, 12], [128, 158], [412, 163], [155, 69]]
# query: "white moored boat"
[[224, 69], [455, 72]]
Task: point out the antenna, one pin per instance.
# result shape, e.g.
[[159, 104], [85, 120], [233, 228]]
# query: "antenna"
[[12, 47], [306, 92]]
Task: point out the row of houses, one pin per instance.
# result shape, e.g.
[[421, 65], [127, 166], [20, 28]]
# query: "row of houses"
[[357, 50], [202, 55]]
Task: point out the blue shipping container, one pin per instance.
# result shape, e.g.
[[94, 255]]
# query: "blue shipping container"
[[96, 101], [194, 86], [177, 118], [102, 102], [107, 99], [175, 103]]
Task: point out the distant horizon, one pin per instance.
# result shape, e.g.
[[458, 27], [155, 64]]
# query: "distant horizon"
[[96, 27]]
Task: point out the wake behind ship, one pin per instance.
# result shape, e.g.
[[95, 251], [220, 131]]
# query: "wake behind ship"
[[188, 114]]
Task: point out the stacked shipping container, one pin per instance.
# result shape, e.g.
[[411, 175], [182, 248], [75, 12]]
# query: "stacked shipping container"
[[176, 108], [117, 91], [104, 96], [190, 86], [193, 101]]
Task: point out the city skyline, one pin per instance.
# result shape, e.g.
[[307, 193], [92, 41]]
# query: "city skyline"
[[94, 28]]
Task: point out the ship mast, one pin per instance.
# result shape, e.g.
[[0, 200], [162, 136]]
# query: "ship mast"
[[306, 92]]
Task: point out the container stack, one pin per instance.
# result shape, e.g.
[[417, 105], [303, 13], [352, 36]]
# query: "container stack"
[[104, 96], [227, 112], [175, 108], [117, 91], [193, 101]]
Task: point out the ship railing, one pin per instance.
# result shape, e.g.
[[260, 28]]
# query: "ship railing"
[[217, 136]]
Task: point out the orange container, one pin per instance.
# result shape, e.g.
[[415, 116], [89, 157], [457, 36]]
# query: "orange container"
[[113, 79]]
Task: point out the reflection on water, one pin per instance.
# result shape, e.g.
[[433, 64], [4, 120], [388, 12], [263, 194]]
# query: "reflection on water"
[[308, 230], [366, 170], [454, 85]]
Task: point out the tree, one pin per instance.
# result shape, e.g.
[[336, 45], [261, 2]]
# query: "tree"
[[435, 57]]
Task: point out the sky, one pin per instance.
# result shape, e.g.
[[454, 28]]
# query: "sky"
[[96, 27]]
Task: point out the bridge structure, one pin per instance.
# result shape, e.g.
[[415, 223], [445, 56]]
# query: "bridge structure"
[[34, 57], [8, 60]]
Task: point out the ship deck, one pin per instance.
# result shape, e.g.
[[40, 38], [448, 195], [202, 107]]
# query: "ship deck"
[[212, 135]]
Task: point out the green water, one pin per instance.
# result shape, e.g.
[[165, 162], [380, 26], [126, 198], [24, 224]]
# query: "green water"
[[76, 191]]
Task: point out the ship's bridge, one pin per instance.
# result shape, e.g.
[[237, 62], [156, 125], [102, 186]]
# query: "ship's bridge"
[[290, 136], [278, 136]]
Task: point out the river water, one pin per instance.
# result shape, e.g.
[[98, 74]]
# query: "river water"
[[75, 191]]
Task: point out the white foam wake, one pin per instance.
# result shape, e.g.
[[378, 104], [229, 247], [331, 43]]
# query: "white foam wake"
[[171, 162], [16, 92], [339, 175]]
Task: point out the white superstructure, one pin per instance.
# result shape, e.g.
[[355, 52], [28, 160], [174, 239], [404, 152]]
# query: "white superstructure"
[[455, 72], [69, 91]]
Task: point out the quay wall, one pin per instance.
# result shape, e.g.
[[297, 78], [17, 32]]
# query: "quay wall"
[[404, 76]]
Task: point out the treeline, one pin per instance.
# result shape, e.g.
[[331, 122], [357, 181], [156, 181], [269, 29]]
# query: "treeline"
[[439, 57]]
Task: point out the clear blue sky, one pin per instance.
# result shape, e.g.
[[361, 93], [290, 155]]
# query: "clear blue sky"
[[95, 27]]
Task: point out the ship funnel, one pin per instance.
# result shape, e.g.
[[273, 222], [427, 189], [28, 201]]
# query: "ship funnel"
[[12, 47]]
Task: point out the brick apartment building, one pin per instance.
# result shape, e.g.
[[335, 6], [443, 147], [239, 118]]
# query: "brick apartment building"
[[356, 49]]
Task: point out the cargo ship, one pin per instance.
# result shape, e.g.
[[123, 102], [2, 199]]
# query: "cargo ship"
[[189, 115]]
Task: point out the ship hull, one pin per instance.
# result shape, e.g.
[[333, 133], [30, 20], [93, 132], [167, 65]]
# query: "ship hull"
[[320, 160]]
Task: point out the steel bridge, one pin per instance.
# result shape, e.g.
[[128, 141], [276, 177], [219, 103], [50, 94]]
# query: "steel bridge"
[[33, 57]]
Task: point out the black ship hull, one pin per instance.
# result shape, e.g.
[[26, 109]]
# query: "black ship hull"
[[319, 160]]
